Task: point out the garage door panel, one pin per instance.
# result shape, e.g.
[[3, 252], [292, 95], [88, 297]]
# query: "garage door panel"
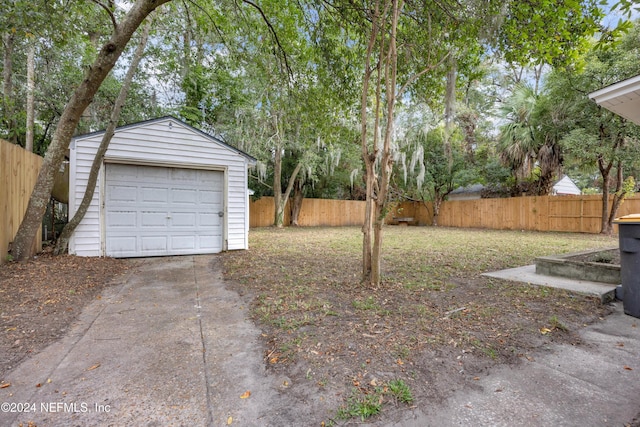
[[154, 174], [209, 220], [123, 193], [216, 179], [154, 195], [210, 197], [180, 243], [162, 211], [123, 245], [153, 244], [184, 197], [122, 219], [153, 219], [125, 172], [208, 242], [183, 219], [190, 175]]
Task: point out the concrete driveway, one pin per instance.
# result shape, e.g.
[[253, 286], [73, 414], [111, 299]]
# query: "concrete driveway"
[[168, 346]]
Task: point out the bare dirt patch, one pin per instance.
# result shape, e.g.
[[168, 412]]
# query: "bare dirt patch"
[[40, 299], [435, 324]]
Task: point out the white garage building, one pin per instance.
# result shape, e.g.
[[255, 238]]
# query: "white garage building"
[[164, 188]]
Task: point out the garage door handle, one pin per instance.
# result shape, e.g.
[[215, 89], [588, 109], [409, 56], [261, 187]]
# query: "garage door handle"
[[220, 214]]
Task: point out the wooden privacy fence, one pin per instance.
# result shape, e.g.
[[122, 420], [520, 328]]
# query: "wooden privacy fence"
[[18, 172], [314, 212], [544, 213], [580, 214]]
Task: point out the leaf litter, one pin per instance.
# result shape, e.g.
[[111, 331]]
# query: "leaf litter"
[[434, 323]]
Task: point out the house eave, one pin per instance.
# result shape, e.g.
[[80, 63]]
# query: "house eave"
[[622, 98]]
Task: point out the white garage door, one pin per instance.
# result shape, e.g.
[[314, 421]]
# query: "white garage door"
[[155, 211]]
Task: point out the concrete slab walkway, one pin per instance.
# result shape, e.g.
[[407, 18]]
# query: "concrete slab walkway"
[[527, 274]]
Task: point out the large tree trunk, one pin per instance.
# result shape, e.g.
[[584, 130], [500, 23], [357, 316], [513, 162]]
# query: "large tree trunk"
[[63, 241], [31, 68], [605, 171], [437, 202], [280, 199], [449, 109], [296, 205], [81, 98], [367, 226], [8, 102], [283, 198], [623, 190]]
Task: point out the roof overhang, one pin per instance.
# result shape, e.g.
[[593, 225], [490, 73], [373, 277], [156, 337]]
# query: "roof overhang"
[[622, 98]]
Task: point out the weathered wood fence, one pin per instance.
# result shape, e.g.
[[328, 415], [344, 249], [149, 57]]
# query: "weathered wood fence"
[[18, 172], [314, 212], [544, 213]]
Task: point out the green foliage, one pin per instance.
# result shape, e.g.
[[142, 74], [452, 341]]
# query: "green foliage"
[[430, 173], [363, 406], [592, 135], [529, 142], [401, 391], [551, 32], [368, 304]]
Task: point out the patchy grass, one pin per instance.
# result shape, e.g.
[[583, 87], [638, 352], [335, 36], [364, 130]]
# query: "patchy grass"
[[434, 323]]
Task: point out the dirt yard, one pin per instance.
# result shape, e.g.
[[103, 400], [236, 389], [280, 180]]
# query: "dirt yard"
[[435, 325], [41, 298]]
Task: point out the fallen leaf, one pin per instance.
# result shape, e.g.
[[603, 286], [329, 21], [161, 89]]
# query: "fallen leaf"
[[400, 362], [96, 366], [545, 331], [620, 344], [5, 385], [245, 395], [476, 378], [627, 368], [229, 421]]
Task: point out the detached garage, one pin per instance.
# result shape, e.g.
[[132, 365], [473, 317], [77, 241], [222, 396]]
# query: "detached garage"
[[164, 188]]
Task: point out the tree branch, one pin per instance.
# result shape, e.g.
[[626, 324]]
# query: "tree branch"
[[260, 181], [274, 34], [208, 15], [421, 73], [109, 12]]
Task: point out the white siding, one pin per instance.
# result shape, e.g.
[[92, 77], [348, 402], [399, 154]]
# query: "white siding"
[[566, 186], [163, 142]]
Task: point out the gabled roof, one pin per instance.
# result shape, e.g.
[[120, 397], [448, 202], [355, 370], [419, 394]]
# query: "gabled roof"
[[252, 160], [622, 98], [566, 186], [474, 188]]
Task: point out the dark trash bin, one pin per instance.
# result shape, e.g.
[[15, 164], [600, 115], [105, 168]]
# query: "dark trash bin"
[[629, 237]]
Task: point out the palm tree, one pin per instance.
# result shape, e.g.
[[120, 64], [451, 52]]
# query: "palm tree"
[[526, 146]]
